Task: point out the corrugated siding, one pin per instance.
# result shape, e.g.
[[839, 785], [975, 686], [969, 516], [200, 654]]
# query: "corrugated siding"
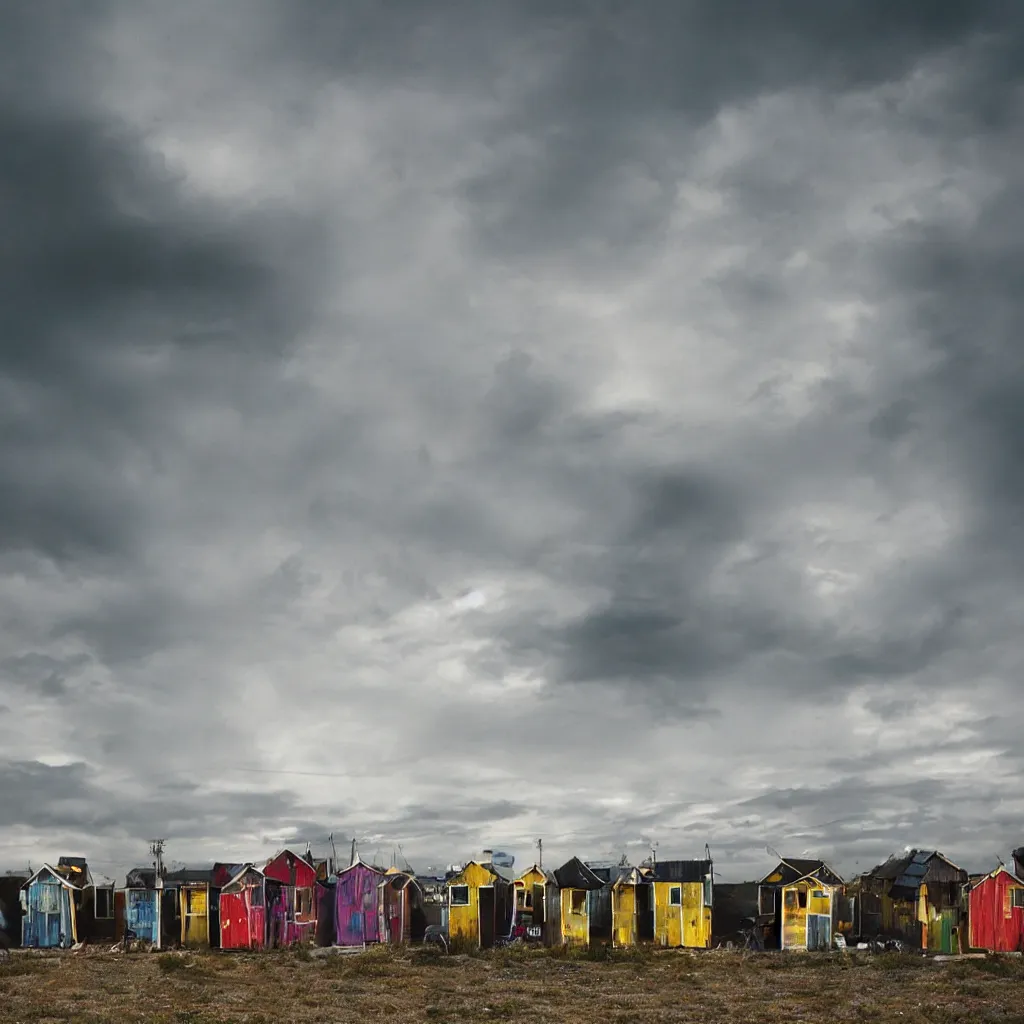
[[49, 921], [356, 906], [995, 924], [242, 924], [140, 913]]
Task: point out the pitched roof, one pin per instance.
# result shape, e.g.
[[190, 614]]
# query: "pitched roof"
[[976, 880], [681, 870], [246, 869], [907, 872], [791, 869], [526, 871], [57, 876], [574, 874], [359, 863]]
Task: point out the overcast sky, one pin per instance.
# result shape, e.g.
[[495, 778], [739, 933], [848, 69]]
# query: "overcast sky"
[[586, 421]]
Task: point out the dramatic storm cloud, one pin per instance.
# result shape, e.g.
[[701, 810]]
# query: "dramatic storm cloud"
[[450, 425]]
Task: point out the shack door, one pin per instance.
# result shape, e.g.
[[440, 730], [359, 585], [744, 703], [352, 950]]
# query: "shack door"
[[194, 917], [819, 927], [645, 913], [486, 910]]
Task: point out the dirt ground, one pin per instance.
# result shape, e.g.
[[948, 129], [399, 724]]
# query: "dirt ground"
[[89, 987]]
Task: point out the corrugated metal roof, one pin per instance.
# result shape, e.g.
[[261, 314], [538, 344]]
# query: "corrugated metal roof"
[[682, 870], [574, 874]]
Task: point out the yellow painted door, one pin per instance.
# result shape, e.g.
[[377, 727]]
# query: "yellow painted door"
[[624, 916], [669, 920], [693, 914], [575, 922], [194, 919], [794, 921]]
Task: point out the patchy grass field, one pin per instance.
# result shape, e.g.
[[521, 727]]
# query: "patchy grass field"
[[535, 986]]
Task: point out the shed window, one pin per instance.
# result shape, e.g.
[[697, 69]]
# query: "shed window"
[[766, 899], [802, 898], [818, 894], [708, 892], [675, 896], [104, 904], [1018, 897], [305, 901], [578, 901], [458, 895], [528, 899]]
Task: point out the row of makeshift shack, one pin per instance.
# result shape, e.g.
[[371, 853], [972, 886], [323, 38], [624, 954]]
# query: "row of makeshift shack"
[[920, 898]]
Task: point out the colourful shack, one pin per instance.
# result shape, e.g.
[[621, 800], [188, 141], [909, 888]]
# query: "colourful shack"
[[917, 898], [252, 911], [135, 910], [356, 911], [135, 907], [481, 903], [297, 877], [996, 912], [797, 897], [632, 907], [50, 905], [683, 895], [400, 908]]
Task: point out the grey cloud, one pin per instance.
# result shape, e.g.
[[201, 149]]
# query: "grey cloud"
[[42, 673], [259, 441]]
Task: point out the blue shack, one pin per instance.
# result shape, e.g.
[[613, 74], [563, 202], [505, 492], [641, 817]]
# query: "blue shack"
[[49, 905]]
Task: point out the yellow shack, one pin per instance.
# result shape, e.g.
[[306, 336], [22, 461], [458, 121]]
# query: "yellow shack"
[[568, 923], [798, 897], [632, 907], [481, 898], [683, 892], [525, 888]]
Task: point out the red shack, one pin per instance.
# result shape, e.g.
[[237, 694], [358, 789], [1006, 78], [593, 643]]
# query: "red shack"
[[297, 876], [997, 912], [243, 920]]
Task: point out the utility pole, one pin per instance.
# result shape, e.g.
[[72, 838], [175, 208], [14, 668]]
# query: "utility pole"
[[540, 854], [156, 848]]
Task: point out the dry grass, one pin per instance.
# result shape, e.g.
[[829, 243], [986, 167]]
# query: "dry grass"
[[535, 986]]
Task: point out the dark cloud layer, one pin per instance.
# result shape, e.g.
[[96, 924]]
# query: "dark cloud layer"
[[454, 427]]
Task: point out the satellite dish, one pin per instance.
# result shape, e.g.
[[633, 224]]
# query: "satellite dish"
[[501, 859]]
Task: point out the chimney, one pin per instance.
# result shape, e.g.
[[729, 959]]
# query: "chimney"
[[486, 856], [1018, 862]]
